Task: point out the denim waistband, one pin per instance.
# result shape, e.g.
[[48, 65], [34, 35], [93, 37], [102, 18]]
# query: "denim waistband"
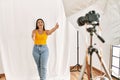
[[40, 45]]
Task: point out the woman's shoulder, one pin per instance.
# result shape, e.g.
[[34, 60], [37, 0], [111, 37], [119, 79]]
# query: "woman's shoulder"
[[46, 31], [34, 31]]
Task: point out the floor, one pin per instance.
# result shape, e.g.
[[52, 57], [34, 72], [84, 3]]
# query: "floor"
[[95, 73], [74, 75], [2, 77]]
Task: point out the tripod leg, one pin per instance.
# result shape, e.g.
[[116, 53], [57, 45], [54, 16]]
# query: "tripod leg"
[[84, 66], [104, 66], [83, 69], [88, 68]]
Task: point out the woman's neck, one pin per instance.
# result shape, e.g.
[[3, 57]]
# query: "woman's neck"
[[40, 31]]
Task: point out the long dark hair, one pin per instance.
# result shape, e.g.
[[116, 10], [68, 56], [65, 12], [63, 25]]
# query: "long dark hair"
[[43, 24]]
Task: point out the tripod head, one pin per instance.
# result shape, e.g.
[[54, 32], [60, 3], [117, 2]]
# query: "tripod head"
[[92, 30]]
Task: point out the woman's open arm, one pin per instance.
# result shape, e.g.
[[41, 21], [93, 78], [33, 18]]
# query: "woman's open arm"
[[33, 35], [53, 29]]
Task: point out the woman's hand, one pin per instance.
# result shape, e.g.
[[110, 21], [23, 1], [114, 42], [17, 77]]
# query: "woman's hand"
[[57, 25]]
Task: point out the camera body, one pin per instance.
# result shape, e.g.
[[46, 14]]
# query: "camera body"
[[90, 18]]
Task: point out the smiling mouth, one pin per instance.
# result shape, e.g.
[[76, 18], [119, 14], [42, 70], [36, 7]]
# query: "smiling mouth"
[[40, 25]]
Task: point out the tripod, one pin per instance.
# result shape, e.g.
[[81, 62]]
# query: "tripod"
[[90, 51], [77, 65]]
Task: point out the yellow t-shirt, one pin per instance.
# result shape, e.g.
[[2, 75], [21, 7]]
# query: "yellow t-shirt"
[[40, 39]]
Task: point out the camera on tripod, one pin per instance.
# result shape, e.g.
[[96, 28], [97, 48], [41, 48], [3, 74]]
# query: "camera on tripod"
[[91, 18]]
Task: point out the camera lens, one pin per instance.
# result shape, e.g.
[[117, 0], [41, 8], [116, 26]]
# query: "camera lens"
[[81, 21]]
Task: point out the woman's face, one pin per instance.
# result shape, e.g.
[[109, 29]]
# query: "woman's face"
[[40, 24]]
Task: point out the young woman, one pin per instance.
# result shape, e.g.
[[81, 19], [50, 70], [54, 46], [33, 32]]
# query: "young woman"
[[40, 49]]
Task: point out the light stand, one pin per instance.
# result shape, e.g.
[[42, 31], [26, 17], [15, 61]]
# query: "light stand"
[[77, 65]]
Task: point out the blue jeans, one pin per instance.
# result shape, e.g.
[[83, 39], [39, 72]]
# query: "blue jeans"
[[40, 54]]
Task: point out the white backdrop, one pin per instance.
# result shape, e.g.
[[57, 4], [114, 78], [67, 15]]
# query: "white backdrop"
[[17, 20]]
